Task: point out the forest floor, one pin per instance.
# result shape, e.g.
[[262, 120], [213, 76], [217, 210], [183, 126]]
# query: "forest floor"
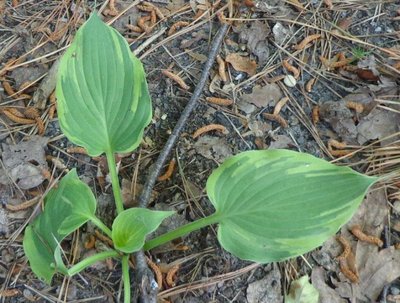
[[326, 74]]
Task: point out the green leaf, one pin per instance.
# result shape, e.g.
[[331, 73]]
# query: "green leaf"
[[103, 101], [67, 207], [130, 228], [277, 204], [302, 291]]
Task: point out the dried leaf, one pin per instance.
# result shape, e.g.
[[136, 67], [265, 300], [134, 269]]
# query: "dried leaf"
[[326, 293], [130, 194], [242, 64], [255, 37], [262, 96], [281, 141], [266, 290], [340, 118], [375, 268], [25, 163], [377, 125], [281, 33], [214, 148]]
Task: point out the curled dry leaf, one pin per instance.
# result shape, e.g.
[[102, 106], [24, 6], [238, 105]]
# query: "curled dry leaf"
[[222, 69], [242, 64], [18, 163]]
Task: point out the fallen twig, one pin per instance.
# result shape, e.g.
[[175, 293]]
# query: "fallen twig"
[[145, 278]]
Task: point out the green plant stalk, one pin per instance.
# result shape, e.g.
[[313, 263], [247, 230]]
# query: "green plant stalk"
[[126, 279], [181, 231], [104, 228], [115, 182], [91, 260]]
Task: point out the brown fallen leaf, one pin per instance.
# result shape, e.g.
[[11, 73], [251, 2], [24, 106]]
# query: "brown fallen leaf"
[[242, 64], [256, 39], [263, 96], [24, 163], [256, 291], [326, 293], [375, 268], [379, 124], [131, 192]]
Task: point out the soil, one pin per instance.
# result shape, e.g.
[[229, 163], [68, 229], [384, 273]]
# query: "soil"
[[262, 35]]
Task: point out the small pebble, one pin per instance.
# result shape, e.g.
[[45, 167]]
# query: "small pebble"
[[289, 81]]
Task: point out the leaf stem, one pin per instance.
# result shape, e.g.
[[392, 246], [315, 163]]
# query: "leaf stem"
[[91, 260], [114, 181], [104, 228], [181, 231], [126, 279]]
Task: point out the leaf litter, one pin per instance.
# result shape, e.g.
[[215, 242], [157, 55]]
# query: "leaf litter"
[[376, 267], [24, 163]]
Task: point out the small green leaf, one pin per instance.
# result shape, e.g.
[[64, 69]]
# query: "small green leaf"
[[277, 204], [103, 101], [131, 227], [67, 207], [302, 291]]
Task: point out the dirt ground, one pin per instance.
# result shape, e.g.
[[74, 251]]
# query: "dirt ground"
[[314, 76]]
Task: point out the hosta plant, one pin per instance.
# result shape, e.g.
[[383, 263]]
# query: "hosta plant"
[[269, 205]]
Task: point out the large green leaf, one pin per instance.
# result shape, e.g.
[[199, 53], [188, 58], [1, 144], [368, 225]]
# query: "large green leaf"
[[276, 204], [130, 228], [67, 207], [102, 96]]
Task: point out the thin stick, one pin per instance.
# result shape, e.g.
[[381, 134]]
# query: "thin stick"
[[142, 268], [151, 179]]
